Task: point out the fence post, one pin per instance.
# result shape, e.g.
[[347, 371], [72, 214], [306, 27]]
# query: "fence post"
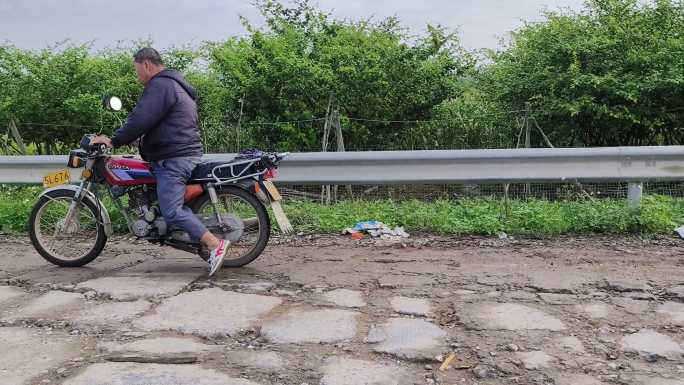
[[14, 131], [528, 143], [634, 193], [239, 124], [325, 189]]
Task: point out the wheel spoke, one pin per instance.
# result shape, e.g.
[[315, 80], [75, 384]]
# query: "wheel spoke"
[[66, 241], [242, 211]]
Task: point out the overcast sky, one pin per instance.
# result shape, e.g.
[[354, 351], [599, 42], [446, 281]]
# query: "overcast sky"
[[39, 23]]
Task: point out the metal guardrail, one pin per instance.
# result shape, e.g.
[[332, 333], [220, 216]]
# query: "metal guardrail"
[[626, 164]]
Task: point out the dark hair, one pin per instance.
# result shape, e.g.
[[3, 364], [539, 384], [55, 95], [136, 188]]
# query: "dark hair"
[[148, 53]]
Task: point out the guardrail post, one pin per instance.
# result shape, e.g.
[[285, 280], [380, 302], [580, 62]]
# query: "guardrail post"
[[634, 192]]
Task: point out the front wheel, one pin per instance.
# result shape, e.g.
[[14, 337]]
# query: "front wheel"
[[69, 245], [249, 219]]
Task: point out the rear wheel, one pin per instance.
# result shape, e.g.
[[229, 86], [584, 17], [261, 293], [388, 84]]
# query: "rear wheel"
[[247, 219], [69, 245]]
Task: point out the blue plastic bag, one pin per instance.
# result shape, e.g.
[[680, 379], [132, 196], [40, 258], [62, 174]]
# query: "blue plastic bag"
[[368, 225]]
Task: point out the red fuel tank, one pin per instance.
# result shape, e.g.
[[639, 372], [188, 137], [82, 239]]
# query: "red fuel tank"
[[120, 171]]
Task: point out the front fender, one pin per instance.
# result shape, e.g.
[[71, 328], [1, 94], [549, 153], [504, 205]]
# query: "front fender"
[[106, 220]]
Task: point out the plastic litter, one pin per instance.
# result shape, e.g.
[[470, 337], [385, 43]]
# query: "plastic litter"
[[680, 231], [368, 225], [376, 229]]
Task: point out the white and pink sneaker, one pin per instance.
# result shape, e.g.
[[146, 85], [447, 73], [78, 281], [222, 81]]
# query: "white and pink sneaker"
[[217, 255]]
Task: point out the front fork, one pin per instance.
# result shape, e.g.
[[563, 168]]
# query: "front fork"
[[80, 193], [73, 208]]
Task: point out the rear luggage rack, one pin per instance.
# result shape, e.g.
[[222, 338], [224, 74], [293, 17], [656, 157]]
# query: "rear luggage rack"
[[236, 175]]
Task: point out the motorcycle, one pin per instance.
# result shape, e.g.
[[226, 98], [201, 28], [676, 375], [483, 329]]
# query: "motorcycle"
[[69, 224]]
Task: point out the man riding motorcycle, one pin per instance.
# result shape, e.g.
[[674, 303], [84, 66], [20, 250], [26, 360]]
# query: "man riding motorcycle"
[[165, 122]]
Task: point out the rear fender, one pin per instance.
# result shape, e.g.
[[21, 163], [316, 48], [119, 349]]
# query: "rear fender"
[[252, 186], [106, 220], [255, 188]]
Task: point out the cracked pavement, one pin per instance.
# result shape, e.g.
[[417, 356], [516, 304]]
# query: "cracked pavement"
[[329, 310]]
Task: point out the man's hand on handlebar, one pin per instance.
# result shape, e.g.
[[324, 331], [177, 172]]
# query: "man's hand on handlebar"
[[101, 139]]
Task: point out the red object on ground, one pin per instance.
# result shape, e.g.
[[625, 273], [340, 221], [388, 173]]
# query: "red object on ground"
[[357, 235]]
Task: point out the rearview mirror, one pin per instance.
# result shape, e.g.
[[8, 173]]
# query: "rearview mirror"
[[112, 103]]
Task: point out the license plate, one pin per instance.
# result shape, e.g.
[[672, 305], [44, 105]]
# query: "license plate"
[[56, 178], [272, 190]]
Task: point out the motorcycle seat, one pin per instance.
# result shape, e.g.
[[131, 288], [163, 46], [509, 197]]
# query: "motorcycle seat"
[[203, 171]]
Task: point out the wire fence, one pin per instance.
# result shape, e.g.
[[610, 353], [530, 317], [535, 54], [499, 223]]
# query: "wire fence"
[[357, 135], [306, 135], [517, 191]]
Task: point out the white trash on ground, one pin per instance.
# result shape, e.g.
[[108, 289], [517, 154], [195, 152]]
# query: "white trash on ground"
[[376, 229]]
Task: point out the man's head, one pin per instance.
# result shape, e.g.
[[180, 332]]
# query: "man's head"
[[147, 63]]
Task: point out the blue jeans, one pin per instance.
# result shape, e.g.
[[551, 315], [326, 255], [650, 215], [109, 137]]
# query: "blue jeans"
[[172, 175]]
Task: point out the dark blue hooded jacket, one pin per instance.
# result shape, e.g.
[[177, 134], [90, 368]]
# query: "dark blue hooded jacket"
[[166, 119]]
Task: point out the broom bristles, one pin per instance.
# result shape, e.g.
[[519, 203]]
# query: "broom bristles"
[[281, 218]]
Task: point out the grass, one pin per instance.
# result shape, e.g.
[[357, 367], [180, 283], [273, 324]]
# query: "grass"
[[658, 214], [16, 203]]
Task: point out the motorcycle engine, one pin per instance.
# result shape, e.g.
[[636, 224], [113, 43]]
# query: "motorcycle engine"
[[148, 217], [141, 228]]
